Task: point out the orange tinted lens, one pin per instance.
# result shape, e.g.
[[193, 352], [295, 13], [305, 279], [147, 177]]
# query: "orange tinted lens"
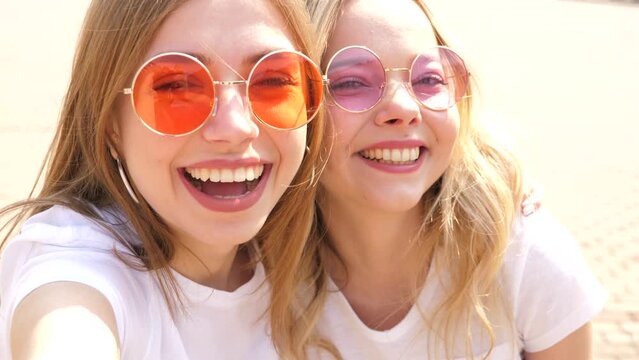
[[285, 90], [173, 94]]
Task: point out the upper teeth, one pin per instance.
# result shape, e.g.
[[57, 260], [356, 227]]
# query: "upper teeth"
[[406, 154], [240, 174]]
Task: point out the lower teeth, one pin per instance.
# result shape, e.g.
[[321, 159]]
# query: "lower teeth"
[[251, 185], [393, 162]]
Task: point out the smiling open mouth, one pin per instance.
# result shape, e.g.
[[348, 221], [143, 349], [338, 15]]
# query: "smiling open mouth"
[[404, 156], [225, 183]]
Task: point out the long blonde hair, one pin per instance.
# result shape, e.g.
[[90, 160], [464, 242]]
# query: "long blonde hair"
[[468, 214], [80, 173]]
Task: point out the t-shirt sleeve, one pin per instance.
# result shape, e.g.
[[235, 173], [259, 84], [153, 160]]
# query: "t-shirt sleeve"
[[28, 265], [554, 291]]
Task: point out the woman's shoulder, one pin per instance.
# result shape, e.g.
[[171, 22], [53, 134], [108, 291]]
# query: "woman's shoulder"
[[61, 250], [540, 247], [60, 244], [63, 226], [63, 244], [541, 236], [59, 215], [548, 282]]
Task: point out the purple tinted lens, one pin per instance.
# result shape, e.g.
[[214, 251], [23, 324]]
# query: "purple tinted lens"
[[356, 79], [439, 78]]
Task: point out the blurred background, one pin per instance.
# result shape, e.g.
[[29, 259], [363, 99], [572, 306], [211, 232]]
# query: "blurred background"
[[560, 79]]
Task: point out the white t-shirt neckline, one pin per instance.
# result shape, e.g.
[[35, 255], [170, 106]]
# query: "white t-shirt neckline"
[[198, 294], [411, 320]]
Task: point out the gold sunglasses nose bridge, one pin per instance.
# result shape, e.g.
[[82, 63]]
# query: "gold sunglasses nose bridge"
[[224, 82], [399, 69], [229, 82], [404, 82]]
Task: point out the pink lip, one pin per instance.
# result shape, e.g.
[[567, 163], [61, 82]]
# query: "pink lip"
[[225, 164], [396, 144], [227, 205]]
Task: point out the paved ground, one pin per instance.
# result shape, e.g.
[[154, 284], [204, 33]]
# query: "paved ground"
[[561, 76]]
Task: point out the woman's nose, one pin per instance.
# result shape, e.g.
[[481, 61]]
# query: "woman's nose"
[[398, 107], [232, 121]]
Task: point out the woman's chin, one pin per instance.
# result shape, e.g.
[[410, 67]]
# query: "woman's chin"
[[400, 204]]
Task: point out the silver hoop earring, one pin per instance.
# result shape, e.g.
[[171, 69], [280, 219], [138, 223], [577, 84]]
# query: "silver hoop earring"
[[129, 189], [312, 183]]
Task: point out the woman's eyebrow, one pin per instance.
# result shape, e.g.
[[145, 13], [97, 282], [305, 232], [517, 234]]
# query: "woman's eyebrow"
[[203, 58], [247, 61], [252, 59], [351, 61]]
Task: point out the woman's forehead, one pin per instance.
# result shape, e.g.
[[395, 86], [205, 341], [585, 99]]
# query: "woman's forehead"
[[380, 25], [229, 28]]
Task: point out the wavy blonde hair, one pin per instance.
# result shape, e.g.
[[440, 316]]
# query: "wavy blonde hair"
[[80, 173], [468, 214]]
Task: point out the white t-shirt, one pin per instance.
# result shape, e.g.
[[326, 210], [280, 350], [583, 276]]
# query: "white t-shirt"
[[62, 245], [546, 283]]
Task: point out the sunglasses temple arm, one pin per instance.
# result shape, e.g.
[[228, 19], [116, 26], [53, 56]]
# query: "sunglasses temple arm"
[[214, 112], [227, 65]]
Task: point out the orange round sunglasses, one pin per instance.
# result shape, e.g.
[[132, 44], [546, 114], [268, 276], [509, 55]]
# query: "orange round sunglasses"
[[174, 93]]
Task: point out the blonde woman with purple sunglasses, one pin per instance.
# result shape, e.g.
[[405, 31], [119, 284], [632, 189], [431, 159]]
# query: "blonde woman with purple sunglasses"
[[419, 249]]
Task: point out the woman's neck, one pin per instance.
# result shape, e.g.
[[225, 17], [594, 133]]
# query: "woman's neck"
[[375, 262], [221, 268]]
